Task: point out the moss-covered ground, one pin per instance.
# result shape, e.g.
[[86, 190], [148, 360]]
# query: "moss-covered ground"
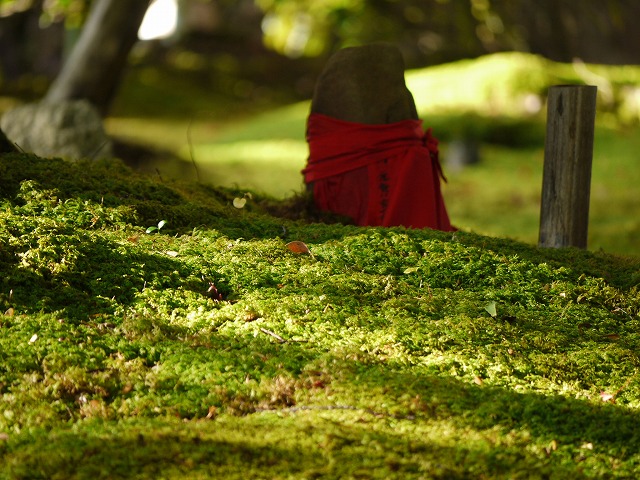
[[207, 348]]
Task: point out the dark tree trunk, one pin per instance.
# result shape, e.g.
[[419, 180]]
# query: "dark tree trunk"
[[96, 63], [26, 48]]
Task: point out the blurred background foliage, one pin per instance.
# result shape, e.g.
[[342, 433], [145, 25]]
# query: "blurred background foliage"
[[228, 89], [289, 40]]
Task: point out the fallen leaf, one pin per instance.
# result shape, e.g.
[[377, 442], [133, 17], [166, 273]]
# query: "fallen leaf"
[[239, 202], [33, 338], [587, 446], [583, 326], [298, 247], [410, 270], [477, 380], [613, 336], [4, 436], [10, 312], [491, 308], [171, 253], [551, 448], [213, 293], [607, 397], [133, 238], [213, 413], [250, 316]]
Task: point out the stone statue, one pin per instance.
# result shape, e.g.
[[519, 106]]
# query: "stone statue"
[[369, 158], [365, 85]]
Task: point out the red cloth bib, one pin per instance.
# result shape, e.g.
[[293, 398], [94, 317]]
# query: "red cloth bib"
[[379, 175]]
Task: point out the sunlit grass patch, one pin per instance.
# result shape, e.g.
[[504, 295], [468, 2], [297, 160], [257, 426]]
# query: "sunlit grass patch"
[[503, 84], [268, 166]]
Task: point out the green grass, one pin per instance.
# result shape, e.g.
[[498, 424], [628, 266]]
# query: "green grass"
[[210, 350], [484, 98]]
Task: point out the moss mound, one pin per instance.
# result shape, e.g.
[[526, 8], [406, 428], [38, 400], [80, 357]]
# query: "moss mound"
[[207, 348]]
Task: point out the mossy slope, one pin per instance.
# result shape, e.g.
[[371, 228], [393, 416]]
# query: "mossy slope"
[[210, 350]]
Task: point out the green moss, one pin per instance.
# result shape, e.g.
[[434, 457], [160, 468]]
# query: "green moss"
[[211, 350]]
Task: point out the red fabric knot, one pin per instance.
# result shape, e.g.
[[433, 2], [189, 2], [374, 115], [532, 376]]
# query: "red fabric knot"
[[431, 143], [379, 175]]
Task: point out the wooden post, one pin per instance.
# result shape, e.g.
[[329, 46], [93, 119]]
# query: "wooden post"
[[568, 153]]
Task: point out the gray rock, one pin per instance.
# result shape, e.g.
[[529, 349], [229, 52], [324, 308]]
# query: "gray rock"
[[366, 85], [68, 129]]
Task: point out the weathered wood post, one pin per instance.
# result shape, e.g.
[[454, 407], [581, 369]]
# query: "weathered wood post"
[[568, 153]]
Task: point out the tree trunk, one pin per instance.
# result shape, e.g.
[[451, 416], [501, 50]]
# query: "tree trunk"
[[96, 63], [27, 49], [568, 154]]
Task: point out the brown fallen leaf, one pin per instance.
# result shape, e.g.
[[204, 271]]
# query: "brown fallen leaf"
[[213, 293], [213, 413], [477, 380], [583, 326], [298, 247], [250, 316], [613, 336]]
